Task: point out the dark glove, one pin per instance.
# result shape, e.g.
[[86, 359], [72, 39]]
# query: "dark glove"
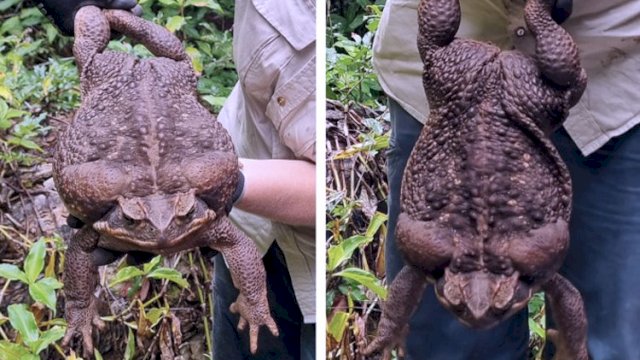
[[237, 193], [562, 10], [62, 12]]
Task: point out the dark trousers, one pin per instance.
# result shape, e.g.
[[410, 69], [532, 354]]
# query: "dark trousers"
[[296, 339], [603, 261], [435, 334]]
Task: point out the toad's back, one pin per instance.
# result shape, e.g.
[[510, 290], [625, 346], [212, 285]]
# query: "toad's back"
[[483, 165], [144, 117]]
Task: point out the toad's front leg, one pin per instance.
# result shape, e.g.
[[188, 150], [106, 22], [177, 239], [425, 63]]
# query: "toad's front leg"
[[568, 313], [248, 274], [405, 295], [80, 281]]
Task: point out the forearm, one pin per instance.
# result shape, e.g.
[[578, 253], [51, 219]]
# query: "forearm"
[[281, 190]]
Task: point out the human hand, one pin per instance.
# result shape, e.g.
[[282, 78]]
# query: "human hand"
[[62, 12]]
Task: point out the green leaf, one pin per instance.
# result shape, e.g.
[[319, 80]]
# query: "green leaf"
[[11, 25], [196, 58], [23, 321], [537, 329], [126, 274], [4, 108], [51, 32], [131, 346], [49, 337], [338, 324], [5, 124], [211, 4], [13, 113], [214, 100], [6, 93], [25, 143], [12, 272], [169, 274], [5, 4], [43, 292], [154, 315], [51, 282], [175, 23], [11, 351], [34, 263], [340, 253], [364, 278], [152, 264], [376, 222], [97, 354]]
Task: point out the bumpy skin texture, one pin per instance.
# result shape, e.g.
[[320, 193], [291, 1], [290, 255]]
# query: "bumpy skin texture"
[[146, 168], [486, 198]]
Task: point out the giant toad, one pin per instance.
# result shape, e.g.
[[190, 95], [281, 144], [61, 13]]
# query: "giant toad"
[[486, 197], [146, 168]]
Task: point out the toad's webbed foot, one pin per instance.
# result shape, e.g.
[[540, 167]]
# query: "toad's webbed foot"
[[81, 317], [390, 337], [255, 315], [248, 275], [562, 351]]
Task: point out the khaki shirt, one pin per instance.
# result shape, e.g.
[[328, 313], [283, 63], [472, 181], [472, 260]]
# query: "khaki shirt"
[[271, 115], [606, 32]]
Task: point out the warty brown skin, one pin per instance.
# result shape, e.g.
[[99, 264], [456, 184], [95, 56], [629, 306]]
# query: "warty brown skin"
[[146, 168], [486, 198]]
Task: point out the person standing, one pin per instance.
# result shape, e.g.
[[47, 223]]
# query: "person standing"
[[599, 141], [270, 115]]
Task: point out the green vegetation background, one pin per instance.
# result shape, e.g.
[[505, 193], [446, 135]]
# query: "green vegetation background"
[[39, 91], [357, 138]]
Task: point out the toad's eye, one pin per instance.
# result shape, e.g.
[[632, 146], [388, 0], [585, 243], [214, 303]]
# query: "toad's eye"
[[127, 220]]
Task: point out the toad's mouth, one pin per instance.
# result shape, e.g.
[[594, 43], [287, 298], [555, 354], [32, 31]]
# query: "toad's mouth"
[[160, 241], [480, 299]]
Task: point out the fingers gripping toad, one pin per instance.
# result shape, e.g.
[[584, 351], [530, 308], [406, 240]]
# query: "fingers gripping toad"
[[486, 197], [146, 167]]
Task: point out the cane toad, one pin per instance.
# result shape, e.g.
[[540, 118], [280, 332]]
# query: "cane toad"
[[486, 198], [146, 168]]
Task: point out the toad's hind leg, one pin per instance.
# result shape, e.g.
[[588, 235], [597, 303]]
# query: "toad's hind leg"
[[569, 316], [438, 22], [405, 294], [156, 38], [556, 52], [423, 244], [91, 34], [214, 175], [248, 275]]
